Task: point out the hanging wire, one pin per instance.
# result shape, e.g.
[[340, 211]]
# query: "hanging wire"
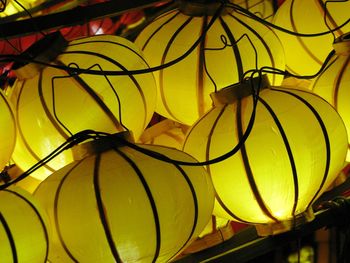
[[73, 73], [326, 13]]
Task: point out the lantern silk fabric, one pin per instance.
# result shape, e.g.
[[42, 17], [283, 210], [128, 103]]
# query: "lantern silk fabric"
[[51, 104], [294, 151], [123, 206], [218, 61]]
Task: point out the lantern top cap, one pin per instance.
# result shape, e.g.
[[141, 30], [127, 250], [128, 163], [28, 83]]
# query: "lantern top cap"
[[100, 145], [232, 93], [199, 7], [341, 44], [45, 50]]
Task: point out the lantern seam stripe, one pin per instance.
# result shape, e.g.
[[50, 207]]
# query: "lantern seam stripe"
[[39, 217], [150, 198], [299, 39], [318, 77], [55, 210], [235, 49], [207, 156], [195, 204], [290, 154], [47, 110], [158, 29], [102, 213], [339, 77], [247, 167], [325, 135], [200, 69], [10, 238], [10, 111], [161, 72], [21, 134]]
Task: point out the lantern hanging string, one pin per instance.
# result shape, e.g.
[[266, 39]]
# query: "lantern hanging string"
[[93, 135], [73, 73]]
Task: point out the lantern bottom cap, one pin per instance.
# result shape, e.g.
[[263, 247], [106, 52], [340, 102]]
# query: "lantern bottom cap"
[[286, 225]]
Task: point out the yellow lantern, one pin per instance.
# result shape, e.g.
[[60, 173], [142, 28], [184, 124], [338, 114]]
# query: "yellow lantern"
[[333, 84], [8, 130], [166, 132], [305, 55], [51, 103], [122, 205], [294, 151], [218, 61], [23, 233]]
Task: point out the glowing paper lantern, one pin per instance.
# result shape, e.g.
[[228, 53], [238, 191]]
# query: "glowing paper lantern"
[[295, 149], [51, 104], [305, 55], [23, 233], [8, 130], [333, 84], [218, 61], [122, 205], [166, 133]]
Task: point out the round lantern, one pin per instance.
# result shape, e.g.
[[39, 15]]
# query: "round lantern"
[[52, 104], [120, 205], [8, 131], [305, 55], [218, 61], [333, 84], [23, 233], [167, 133], [295, 149]]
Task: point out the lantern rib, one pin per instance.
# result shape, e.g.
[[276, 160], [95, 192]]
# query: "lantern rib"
[[235, 49], [32, 206], [101, 211], [339, 79], [150, 198], [10, 238], [163, 59], [289, 152], [250, 176], [55, 211], [195, 204], [325, 135]]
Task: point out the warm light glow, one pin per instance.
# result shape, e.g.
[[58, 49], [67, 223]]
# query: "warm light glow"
[[12, 7], [305, 55], [295, 150], [121, 205], [81, 101], [21, 215], [333, 84], [184, 88]]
